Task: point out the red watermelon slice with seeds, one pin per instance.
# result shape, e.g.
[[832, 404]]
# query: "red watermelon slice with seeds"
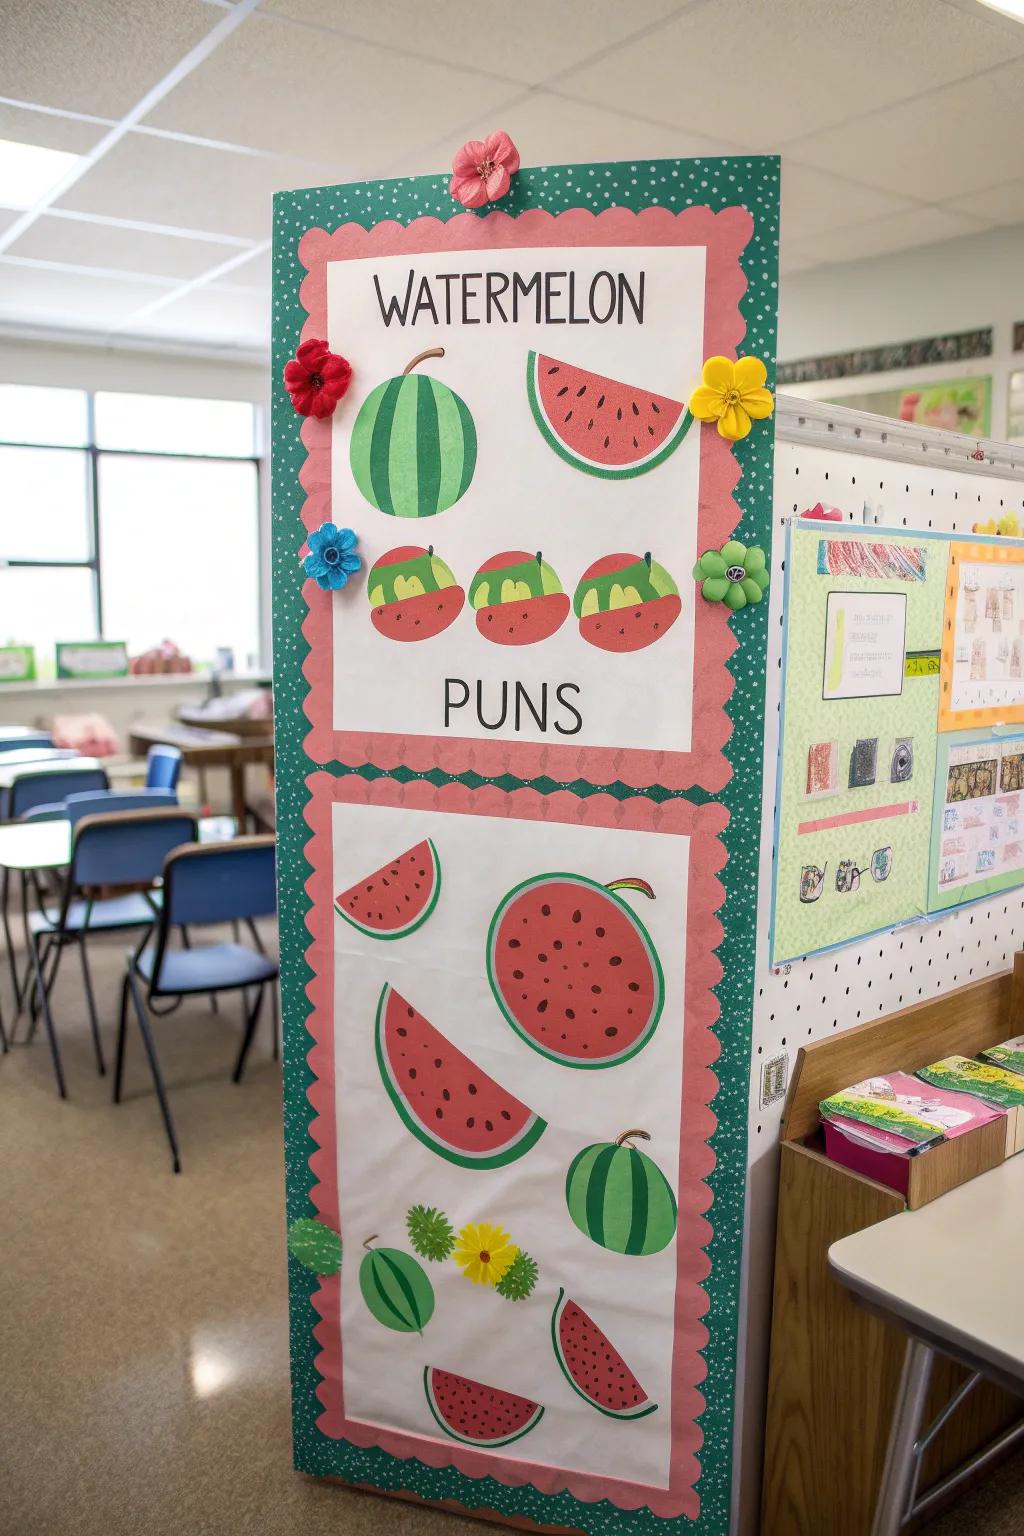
[[443, 1098], [476, 1414], [593, 1366], [601, 425], [397, 898]]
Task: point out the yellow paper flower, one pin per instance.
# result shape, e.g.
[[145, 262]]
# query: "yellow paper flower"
[[732, 394], [484, 1252]]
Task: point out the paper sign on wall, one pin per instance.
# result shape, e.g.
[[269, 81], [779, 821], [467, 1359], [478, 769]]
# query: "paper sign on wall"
[[501, 908]]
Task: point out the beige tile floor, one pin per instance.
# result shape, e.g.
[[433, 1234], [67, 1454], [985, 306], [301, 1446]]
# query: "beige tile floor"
[[143, 1335]]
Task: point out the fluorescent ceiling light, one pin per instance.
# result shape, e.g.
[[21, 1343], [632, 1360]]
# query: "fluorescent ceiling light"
[[1012, 8], [27, 172]]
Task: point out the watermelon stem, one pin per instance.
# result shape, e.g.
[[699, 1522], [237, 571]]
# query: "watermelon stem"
[[368, 1240], [647, 558], [421, 358], [631, 883], [625, 1139]]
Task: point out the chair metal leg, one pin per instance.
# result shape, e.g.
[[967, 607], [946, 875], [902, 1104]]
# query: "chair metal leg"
[[154, 1067], [252, 1019], [51, 1035], [94, 1023], [122, 1031], [4, 1046], [8, 937]]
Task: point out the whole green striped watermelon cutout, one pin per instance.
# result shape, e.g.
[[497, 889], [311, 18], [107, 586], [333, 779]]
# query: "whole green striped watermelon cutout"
[[574, 970], [593, 1366], [396, 1289], [443, 1098], [397, 898], [413, 448], [600, 425], [477, 1414], [619, 1197]]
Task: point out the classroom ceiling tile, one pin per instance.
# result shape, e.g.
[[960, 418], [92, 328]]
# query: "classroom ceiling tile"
[[900, 232], [213, 317], [257, 272], [67, 300], [763, 73], [536, 41], [938, 147], [319, 96], [549, 130], [164, 181], [49, 131], [1003, 204], [116, 249], [99, 57], [813, 201]]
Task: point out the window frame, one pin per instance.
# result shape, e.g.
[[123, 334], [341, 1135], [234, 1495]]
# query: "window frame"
[[93, 453]]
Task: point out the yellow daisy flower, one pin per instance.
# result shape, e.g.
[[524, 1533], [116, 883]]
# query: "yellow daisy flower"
[[484, 1252], [732, 394]]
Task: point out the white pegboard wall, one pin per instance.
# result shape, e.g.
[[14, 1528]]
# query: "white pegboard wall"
[[880, 473]]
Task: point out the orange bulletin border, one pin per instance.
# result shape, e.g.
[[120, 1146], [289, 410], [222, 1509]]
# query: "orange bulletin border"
[[950, 719]]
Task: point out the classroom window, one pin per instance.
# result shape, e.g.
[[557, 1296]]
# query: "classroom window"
[[128, 517]]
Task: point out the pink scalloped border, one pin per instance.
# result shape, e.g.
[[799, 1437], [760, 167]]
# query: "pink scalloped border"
[[724, 235], [703, 826]]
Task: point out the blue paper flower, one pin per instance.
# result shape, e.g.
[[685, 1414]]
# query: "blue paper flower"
[[332, 558]]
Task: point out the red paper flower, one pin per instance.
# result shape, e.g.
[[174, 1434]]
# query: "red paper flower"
[[316, 378], [483, 170]]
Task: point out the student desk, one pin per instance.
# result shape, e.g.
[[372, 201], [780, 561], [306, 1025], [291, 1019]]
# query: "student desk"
[[210, 749], [63, 762], [951, 1276]]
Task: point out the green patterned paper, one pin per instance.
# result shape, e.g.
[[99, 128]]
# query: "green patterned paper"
[[856, 778]]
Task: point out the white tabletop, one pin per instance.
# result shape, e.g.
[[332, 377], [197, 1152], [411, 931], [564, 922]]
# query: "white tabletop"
[[952, 1272], [35, 755], [11, 771], [47, 844]]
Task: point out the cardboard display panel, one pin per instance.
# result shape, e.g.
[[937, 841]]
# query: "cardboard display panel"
[[519, 788]]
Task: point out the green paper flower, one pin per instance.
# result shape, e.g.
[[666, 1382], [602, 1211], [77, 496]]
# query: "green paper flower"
[[519, 1279], [315, 1246], [733, 575], [430, 1232]]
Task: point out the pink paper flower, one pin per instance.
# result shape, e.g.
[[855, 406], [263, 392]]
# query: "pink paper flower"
[[483, 170], [316, 378]]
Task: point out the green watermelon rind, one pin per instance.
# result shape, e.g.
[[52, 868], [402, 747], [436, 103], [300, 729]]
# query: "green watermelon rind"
[[589, 466], [484, 1445], [640, 1412], [582, 1218], [415, 922], [558, 1057], [528, 1137]]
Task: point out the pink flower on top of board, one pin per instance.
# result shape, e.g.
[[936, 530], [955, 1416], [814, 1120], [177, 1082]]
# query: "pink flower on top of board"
[[483, 170]]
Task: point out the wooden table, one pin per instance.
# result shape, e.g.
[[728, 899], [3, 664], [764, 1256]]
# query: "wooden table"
[[209, 749], [950, 1275]]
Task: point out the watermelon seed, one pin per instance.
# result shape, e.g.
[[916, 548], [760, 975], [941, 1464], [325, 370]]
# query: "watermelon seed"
[[542, 958], [615, 960], [505, 1115], [412, 1072], [563, 391], [568, 415], [401, 1031], [577, 916], [513, 943], [634, 986], [445, 1094], [590, 424], [655, 408], [470, 1123], [650, 431], [471, 1087], [542, 1005], [545, 910], [555, 369], [636, 409], [557, 944], [437, 1061], [635, 443], [618, 414], [488, 1126], [517, 975], [581, 392], [595, 988], [570, 1013], [611, 1031], [607, 441], [439, 1112]]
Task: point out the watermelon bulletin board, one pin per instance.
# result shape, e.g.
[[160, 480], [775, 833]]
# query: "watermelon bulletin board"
[[519, 794]]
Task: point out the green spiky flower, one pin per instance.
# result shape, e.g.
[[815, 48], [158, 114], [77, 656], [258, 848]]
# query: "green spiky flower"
[[430, 1232], [316, 1246], [519, 1279]]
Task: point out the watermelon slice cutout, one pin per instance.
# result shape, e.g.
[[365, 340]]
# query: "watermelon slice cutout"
[[593, 1366], [600, 425], [475, 1414], [443, 1098], [397, 898]]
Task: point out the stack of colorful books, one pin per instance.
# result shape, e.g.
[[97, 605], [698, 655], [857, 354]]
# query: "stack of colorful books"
[[877, 1126]]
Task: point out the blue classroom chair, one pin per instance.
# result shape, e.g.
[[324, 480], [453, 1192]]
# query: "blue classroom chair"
[[120, 849], [203, 883], [25, 740], [31, 789], [163, 766]]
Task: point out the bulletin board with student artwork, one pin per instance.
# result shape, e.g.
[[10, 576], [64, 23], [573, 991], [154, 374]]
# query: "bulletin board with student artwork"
[[519, 682], [887, 811]]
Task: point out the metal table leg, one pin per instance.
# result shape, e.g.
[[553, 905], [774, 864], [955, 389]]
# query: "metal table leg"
[[898, 1479]]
